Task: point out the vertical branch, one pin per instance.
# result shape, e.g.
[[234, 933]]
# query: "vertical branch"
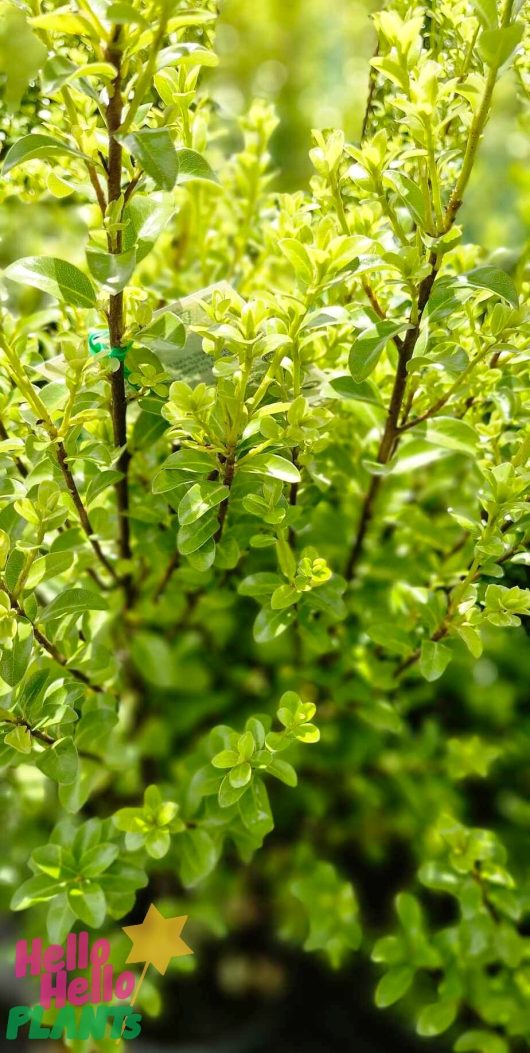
[[116, 314], [81, 510], [228, 478], [391, 434]]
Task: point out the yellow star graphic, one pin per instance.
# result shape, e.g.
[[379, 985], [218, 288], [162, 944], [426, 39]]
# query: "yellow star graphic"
[[157, 940]]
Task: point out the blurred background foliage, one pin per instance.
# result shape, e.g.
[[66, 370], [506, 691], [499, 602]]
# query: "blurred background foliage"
[[311, 60]]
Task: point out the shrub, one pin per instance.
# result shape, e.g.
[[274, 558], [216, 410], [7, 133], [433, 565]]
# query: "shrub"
[[266, 462]]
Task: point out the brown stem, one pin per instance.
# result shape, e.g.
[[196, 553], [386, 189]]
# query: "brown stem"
[[293, 496], [365, 518], [116, 310], [228, 479], [171, 567], [132, 186], [43, 737], [391, 434], [415, 656], [373, 299], [50, 647], [95, 577], [81, 510], [20, 465], [100, 195]]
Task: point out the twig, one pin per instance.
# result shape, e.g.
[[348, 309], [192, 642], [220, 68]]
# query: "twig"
[[373, 298], [116, 312], [20, 464], [228, 479], [81, 510], [132, 186], [50, 647], [391, 432], [171, 567], [293, 496], [42, 736]]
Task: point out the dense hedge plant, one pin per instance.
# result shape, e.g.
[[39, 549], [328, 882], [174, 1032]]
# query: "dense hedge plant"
[[265, 476]]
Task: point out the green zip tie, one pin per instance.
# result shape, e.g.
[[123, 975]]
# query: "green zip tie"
[[98, 340]]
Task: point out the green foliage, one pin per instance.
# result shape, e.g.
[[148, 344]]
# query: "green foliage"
[[480, 958], [267, 450]]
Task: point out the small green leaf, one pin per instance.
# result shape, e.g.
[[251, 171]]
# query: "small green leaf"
[[55, 277], [240, 775], [298, 257], [198, 856], [359, 391], [14, 567], [157, 843], [246, 745], [452, 434], [145, 220], [255, 809], [284, 596], [486, 12], [59, 762], [393, 986], [436, 1018], [369, 347], [34, 146], [36, 889], [48, 566], [64, 21], [225, 759], [194, 536], [199, 500], [496, 281], [497, 45], [229, 794], [283, 771], [112, 272], [101, 482], [88, 903], [194, 461], [123, 14], [59, 919], [307, 733], [97, 859], [481, 1042], [153, 149], [13, 663], [186, 54], [434, 659], [269, 624], [193, 166], [274, 465], [73, 601], [261, 584], [19, 738]]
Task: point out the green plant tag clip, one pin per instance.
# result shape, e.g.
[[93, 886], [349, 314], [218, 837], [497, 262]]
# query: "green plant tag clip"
[[98, 340]]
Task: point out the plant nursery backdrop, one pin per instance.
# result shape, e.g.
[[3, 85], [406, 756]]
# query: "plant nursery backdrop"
[[264, 481]]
